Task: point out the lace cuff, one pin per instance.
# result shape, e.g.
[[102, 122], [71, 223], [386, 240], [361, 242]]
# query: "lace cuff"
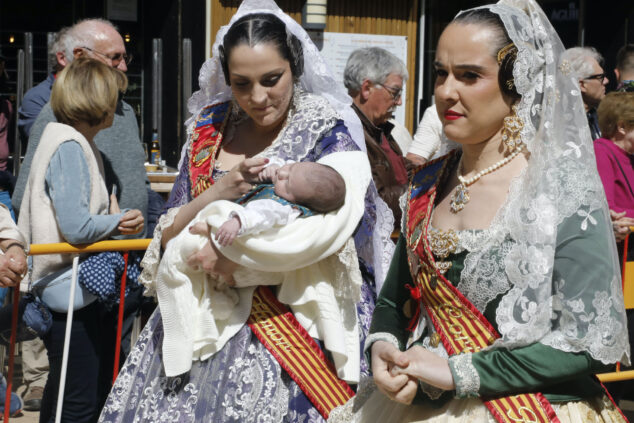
[[465, 376], [380, 336], [152, 257]]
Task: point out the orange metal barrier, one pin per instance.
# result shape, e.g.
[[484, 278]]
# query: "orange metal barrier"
[[142, 244], [63, 248]]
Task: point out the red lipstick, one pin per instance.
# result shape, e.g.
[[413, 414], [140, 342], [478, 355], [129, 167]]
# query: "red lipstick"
[[451, 115]]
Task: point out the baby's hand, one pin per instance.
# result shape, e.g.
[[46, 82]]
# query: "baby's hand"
[[268, 173], [228, 231]]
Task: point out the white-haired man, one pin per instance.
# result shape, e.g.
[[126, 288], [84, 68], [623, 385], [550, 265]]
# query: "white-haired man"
[[121, 149], [585, 64], [374, 78]]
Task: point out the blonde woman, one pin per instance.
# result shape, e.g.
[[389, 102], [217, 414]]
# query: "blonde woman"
[[66, 200]]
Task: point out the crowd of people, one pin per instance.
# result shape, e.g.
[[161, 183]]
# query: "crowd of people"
[[311, 265]]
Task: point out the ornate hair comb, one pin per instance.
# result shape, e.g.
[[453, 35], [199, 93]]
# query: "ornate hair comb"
[[505, 51]]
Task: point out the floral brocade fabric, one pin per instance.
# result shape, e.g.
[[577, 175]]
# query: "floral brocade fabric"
[[243, 382]]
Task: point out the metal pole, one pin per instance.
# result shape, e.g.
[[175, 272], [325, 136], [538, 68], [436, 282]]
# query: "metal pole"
[[69, 325], [418, 106], [28, 61], [117, 348], [12, 341], [50, 39], [157, 88], [187, 85], [581, 35], [19, 95]]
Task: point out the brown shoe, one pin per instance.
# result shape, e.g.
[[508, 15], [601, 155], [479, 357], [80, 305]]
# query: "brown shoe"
[[33, 399]]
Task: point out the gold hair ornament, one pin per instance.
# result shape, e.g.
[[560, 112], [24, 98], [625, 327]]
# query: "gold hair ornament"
[[505, 51]]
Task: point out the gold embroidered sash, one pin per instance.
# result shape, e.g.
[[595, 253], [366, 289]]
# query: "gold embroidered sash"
[[459, 324], [297, 352], [463, 329]]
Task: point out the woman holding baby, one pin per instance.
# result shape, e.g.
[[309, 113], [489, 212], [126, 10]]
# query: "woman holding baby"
[[266, 96], [503, 298]]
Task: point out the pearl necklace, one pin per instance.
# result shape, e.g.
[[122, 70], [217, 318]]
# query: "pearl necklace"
[[461, 196]]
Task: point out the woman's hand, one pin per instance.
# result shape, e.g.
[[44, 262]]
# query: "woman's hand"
[[398, 387], [131, 222], [621, 225], [239, 179], [12, 266], [428, 367], [209, 258]]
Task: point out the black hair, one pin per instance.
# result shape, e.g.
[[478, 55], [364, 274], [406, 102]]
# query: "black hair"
[[625, 58], [487, 18], [261, 28]]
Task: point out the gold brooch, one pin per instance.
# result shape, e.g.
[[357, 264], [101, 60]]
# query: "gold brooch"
[[442, 244]]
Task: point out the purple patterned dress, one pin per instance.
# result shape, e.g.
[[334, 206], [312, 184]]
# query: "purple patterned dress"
[[243, 382]]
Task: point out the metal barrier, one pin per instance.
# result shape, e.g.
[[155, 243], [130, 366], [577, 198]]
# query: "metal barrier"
[[63, 248], [126, 246]]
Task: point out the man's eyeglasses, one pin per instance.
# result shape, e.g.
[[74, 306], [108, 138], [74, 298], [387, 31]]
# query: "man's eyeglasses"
[[394, 92], [115, 58], [598, 76]]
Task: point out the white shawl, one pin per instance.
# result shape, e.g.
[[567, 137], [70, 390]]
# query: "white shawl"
[[313, 260]]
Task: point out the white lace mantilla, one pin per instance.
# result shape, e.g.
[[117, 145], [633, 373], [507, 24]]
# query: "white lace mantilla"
[[515, 256]]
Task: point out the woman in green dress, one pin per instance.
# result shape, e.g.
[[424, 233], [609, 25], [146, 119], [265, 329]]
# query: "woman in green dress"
[[503, 298]]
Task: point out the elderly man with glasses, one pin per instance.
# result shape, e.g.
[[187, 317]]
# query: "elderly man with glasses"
[[585, 64], [374, 78], [121, 149]]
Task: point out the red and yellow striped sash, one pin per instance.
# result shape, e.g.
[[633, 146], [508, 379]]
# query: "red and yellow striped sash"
[[297, 352], [459, 324], [462, 328]]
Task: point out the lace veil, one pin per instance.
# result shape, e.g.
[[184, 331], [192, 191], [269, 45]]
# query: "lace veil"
[[316, 79], [515, 255]]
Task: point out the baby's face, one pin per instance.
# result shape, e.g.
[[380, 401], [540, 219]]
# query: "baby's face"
[[290, 182]]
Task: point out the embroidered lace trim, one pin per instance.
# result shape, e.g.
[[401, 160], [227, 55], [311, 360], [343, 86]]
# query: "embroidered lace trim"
[[380, 336], [465, 375], [152, 258]]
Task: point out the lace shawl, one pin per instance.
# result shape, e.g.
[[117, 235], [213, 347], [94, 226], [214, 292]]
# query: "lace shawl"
[[560, 181]]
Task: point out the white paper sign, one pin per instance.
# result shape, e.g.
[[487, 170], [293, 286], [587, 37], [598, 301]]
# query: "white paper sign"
[[336, 48]]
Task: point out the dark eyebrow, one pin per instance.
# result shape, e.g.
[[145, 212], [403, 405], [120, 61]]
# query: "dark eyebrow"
[[275, 72], [476, 68], [464, 66]]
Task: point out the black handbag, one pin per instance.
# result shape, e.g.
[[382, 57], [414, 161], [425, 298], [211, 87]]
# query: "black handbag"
[[34, 320]]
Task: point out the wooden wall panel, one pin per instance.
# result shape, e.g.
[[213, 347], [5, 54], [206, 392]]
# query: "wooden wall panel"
[[381, 17]]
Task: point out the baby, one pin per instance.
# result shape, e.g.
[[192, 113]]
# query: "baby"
[[200, 312], [298, 190]]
